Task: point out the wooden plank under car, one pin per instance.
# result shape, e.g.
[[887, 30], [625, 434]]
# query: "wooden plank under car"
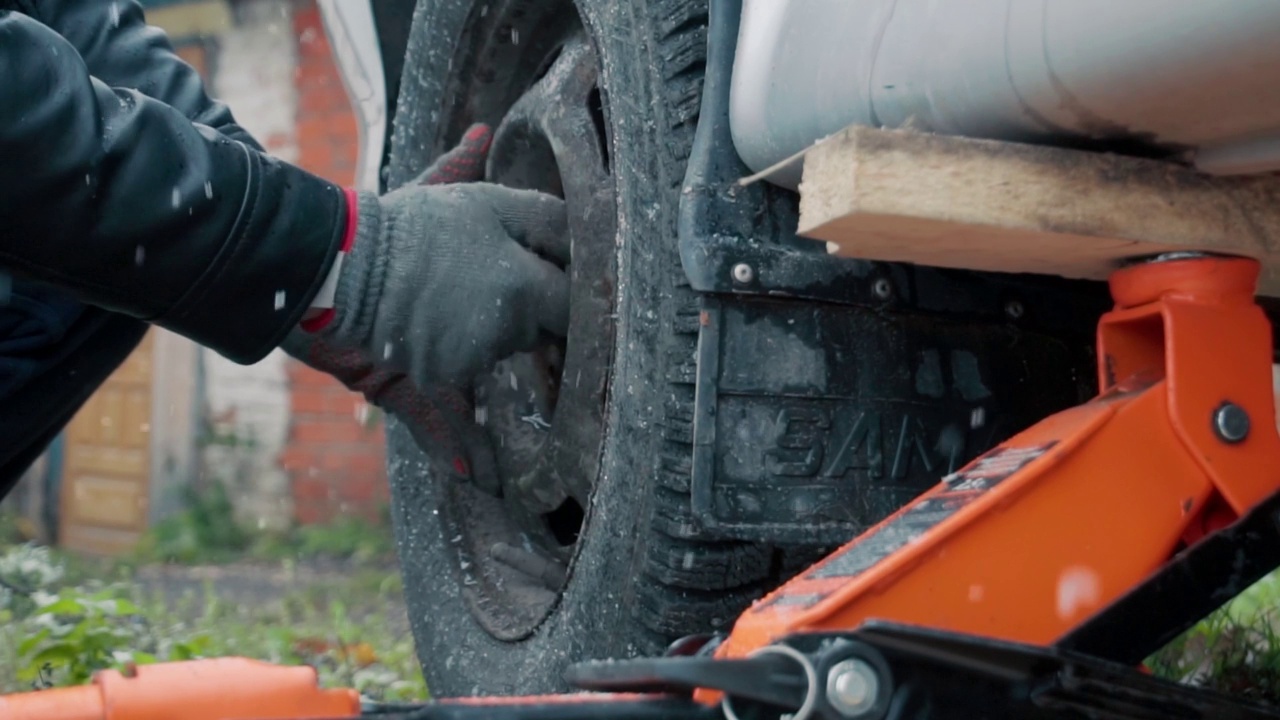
[[907, 196]]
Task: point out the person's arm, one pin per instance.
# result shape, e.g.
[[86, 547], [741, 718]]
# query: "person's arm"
[[129, 205], [121, 50]]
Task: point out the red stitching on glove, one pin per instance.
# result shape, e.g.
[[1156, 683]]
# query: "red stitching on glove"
[[465, 163], [351, 224], [319, 322], [353, 219]]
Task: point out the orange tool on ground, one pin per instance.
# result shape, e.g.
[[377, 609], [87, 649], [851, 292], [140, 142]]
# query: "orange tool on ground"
[[221, 689], [1028, 585]]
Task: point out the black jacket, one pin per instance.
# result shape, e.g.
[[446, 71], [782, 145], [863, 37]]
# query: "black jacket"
[[124, 184]]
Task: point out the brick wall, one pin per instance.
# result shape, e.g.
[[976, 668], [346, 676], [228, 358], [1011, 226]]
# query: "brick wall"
[[335, 450]]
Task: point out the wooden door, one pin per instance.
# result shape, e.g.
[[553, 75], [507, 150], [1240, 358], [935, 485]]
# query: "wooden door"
[[105, 480]]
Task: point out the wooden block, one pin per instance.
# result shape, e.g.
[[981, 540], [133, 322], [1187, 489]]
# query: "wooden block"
[[956, 202]]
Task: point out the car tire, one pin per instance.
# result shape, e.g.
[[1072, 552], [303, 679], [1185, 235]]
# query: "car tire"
[[641, 575]]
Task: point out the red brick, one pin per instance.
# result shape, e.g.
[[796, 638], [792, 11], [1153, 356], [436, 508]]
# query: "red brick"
[[323, 431], [328, 447], [370, 465], [316, 49], [342, 127], [320, 100], [376, 481], [302, 374], [359, 493], [342, 403], [296, 458], [332, 402], [338, 98], [344, 158], [341, 172], [314, 74], [306, 14], [327, 168], [316, 155], [309, 399], [276, 141], [316, 159], [345, 177], [313, 489], [313, 130], [313, 513], [312, 41], [321, 463]]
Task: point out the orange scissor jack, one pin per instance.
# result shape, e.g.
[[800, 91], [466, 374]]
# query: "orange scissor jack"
[[1035, 537], [1031, 583]]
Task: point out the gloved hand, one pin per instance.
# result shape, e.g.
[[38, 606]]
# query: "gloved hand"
[[438, 416], [442, 283]]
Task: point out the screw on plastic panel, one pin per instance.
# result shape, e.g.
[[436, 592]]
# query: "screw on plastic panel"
[[882, 288]]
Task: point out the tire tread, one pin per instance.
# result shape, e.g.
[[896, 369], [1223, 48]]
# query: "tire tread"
[[692, 583]]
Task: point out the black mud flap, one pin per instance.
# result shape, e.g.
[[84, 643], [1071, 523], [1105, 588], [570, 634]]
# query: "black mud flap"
[[812, 422]]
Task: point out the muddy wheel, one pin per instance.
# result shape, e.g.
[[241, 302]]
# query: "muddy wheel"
[[576, 548]]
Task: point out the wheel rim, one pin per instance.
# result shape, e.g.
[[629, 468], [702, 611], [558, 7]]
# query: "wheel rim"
[[516, 532]]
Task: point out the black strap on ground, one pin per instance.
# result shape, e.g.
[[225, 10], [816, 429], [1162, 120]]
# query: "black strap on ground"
[[570, 707]]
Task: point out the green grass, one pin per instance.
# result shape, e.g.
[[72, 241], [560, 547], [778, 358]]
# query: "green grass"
[[347, 626], [1235, 650], [204, 531], [345, 539], [207, 532]]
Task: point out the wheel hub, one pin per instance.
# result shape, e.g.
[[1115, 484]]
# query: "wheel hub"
[[543, 411]]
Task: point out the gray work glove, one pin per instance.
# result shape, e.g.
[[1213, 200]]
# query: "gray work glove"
[[443, 281], [438, 415]]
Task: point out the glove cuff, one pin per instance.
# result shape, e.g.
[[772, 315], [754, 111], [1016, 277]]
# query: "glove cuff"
[[363, 272], [321, 312]]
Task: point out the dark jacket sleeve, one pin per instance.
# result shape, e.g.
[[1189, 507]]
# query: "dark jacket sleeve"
[[127, 204], [121, 50]]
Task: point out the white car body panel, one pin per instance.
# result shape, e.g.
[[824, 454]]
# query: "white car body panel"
[[353, 36]]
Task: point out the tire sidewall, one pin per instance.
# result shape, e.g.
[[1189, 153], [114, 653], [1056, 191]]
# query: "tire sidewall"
[[594, 617]]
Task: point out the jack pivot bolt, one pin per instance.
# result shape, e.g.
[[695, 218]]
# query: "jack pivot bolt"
[[1231, 423], [853, 686]]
